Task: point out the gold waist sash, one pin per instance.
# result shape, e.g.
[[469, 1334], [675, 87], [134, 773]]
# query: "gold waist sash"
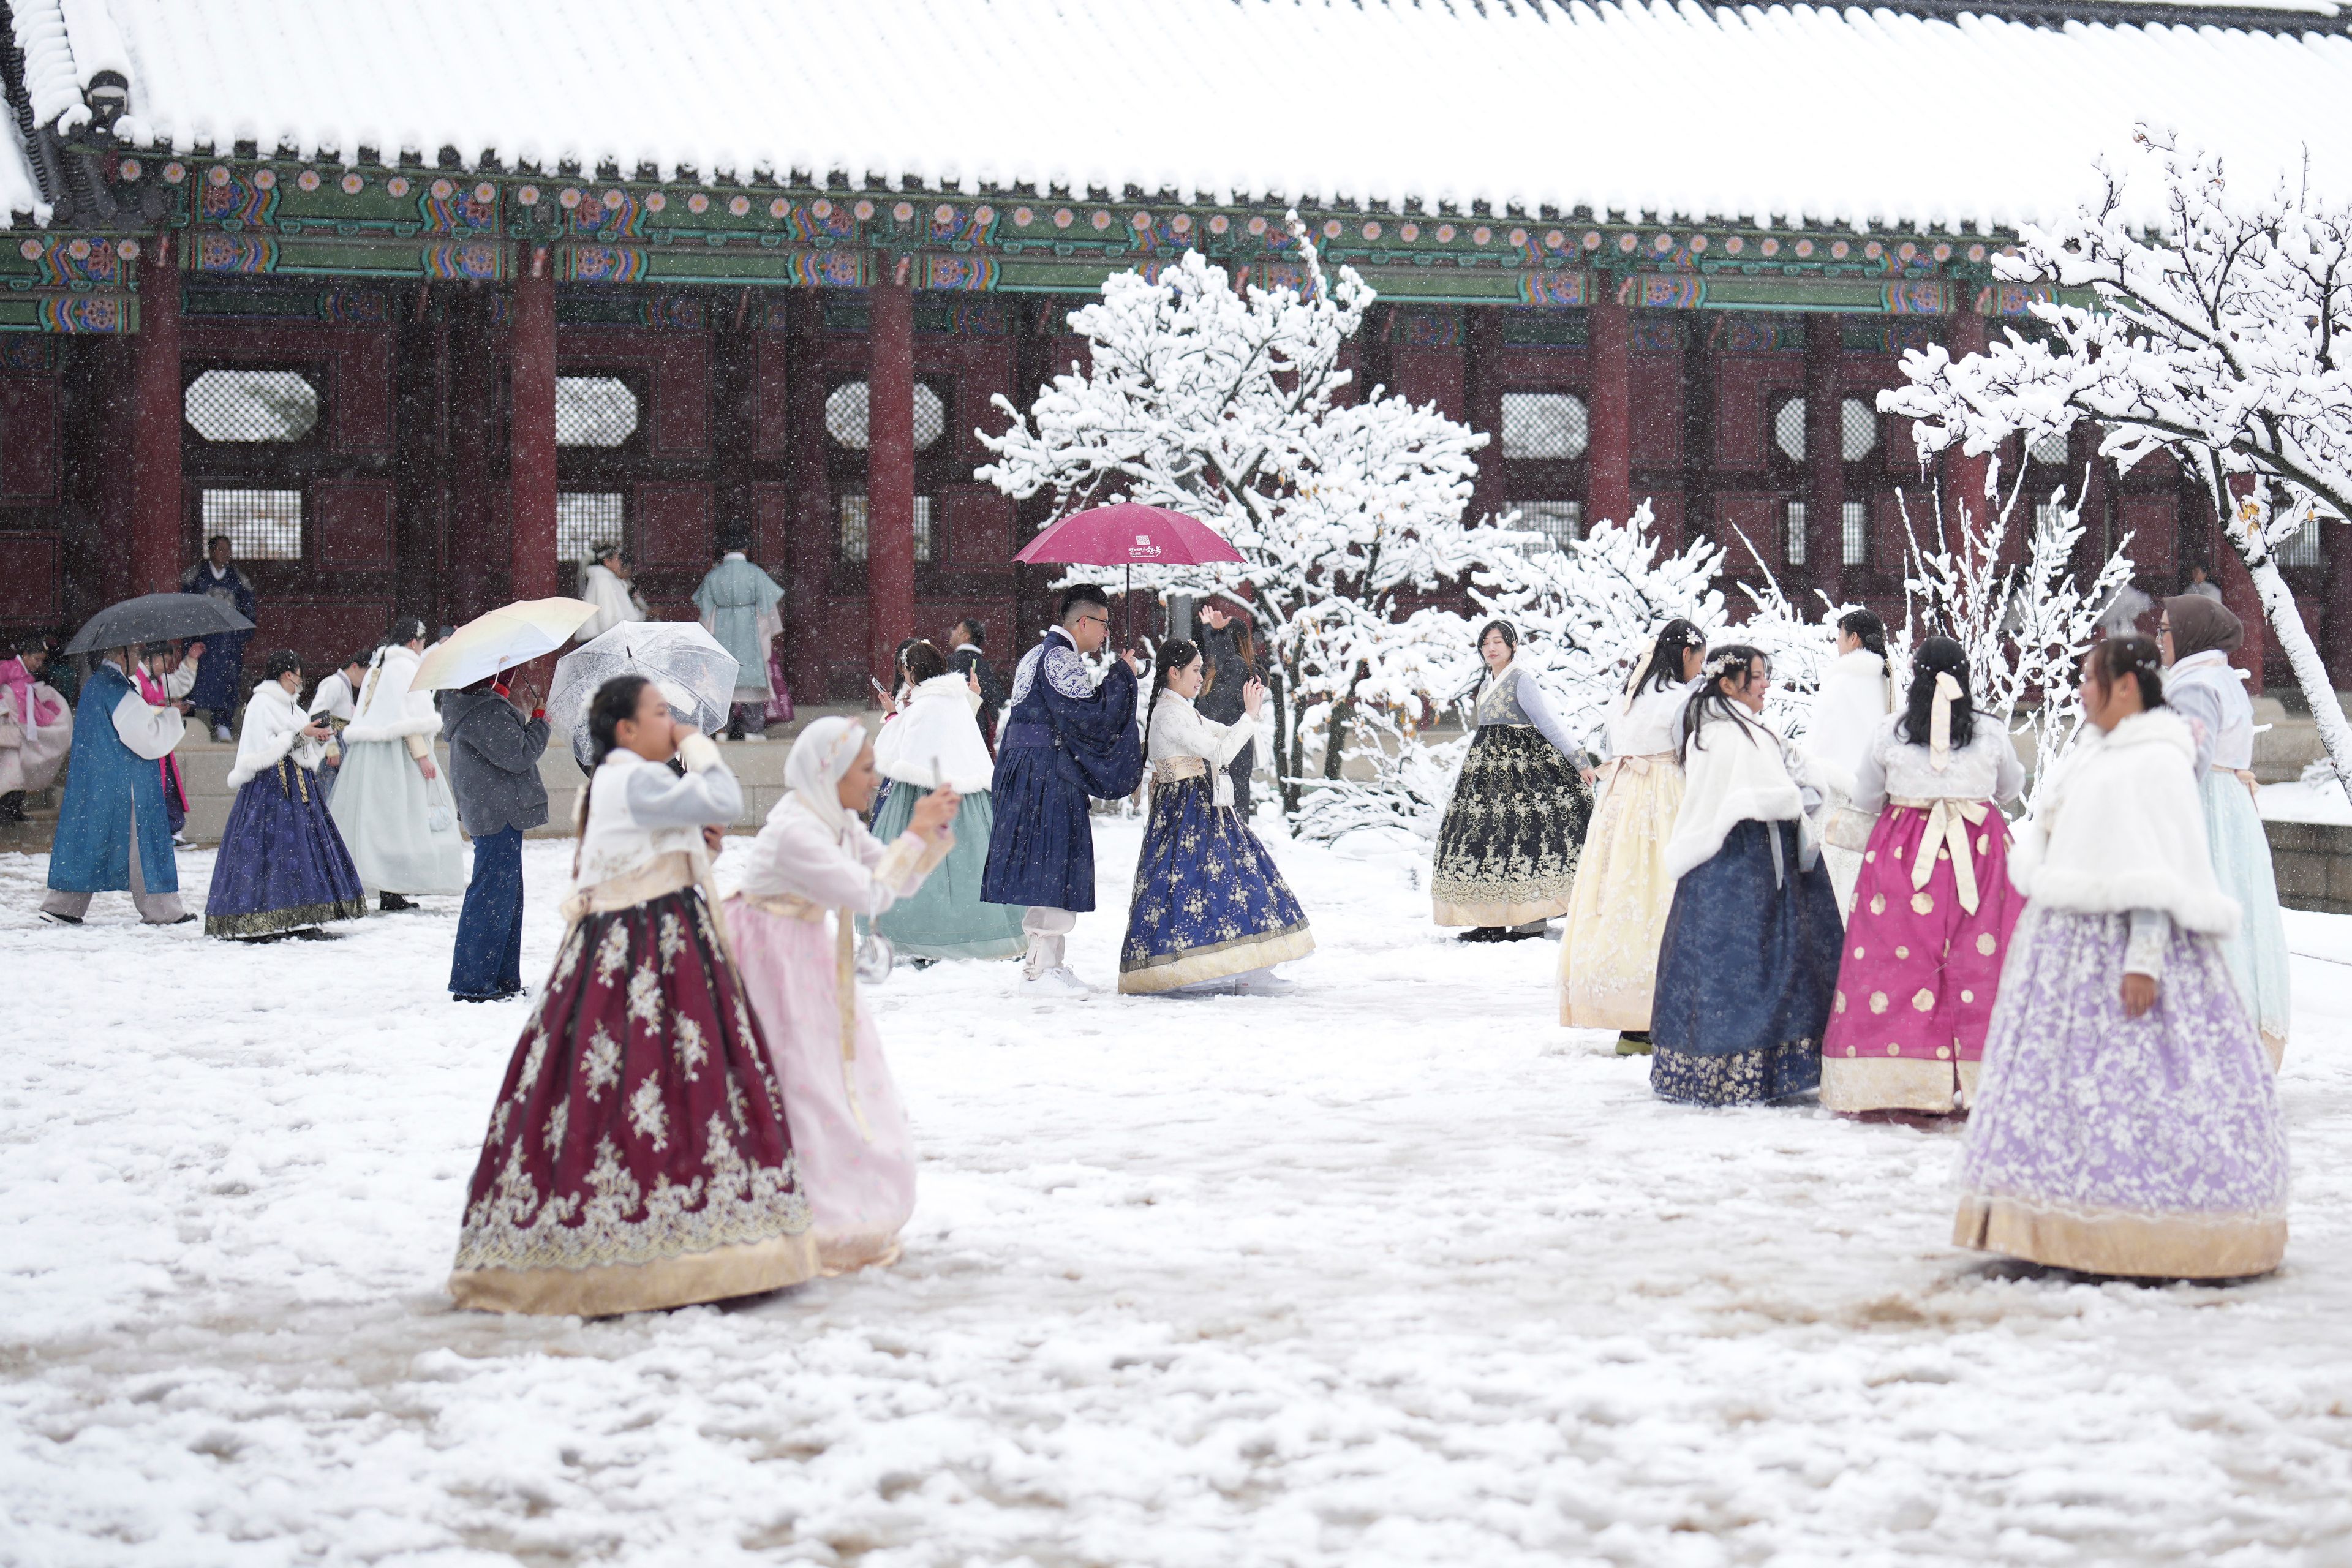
[[1168, 770], [662, 874]]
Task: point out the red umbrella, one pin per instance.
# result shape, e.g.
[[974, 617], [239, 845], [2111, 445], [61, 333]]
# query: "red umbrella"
[[1125, 533]]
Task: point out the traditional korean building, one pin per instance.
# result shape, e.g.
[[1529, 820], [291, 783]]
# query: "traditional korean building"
[[416, 299]]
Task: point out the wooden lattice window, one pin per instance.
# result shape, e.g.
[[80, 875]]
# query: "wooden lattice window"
[[261, 525], [246, 406]]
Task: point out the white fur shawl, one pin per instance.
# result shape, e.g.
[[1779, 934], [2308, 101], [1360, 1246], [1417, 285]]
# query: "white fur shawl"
[[388, 710], [274, 722], [1854, 699], [1732, 774], [934, 733], [2121, 828]]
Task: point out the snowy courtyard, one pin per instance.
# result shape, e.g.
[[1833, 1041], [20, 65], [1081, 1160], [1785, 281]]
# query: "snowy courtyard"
[[1389, 1270]]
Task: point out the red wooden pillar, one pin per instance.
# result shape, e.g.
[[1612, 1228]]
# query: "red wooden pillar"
[[1825, 456], [158, 518], [890, 468], [531, 429], [1964, 477], [1609, 456]]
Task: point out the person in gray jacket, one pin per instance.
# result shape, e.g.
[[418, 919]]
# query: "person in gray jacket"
[[494, 770], [1227, 637]]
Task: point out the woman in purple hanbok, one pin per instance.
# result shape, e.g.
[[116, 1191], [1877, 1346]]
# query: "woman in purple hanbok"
[[2127, 1122]]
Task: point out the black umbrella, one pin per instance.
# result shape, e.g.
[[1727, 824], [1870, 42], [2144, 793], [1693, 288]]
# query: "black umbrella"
[[156, 618]]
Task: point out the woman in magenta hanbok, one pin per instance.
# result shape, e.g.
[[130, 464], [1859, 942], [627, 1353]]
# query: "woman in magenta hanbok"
[[637, 1155], [1933, 908], [815, 857]]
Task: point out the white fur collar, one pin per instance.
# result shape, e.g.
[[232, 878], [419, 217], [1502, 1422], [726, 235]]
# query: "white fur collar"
[[1732, 774]]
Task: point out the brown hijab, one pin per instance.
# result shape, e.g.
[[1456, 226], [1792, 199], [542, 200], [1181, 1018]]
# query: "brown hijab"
[[2198, 624]]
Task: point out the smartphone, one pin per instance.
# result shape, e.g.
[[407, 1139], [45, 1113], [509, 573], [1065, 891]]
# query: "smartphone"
[[879, 689]]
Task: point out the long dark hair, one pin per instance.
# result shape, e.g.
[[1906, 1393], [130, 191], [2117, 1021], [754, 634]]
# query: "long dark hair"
[[1934, 657], [284, 662], [405, 630], [1866, 625], [1664, 668], [1478, 647], [2113, 658], [1729, 666], [615, 700], [1175, 654]]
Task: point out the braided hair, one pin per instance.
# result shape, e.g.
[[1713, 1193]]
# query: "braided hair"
[[1726, 667], [2113, 658], [615, 700], [1868, 627], [1934, 657]]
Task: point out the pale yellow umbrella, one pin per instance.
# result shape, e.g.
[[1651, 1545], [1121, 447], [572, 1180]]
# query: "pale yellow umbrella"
[[509, 636]]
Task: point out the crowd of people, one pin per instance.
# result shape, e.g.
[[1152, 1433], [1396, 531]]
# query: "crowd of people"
[[2101, 993]]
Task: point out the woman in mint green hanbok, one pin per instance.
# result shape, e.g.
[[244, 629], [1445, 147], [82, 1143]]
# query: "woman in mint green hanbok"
[[934, 738]]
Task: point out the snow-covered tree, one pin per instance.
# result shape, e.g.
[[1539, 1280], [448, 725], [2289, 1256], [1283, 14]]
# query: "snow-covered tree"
[[1225, 405], [2222, 338], [1581, 614], [2026, 624]]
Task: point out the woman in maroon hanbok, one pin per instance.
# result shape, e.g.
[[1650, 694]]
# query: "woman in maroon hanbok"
[[638, 1155]]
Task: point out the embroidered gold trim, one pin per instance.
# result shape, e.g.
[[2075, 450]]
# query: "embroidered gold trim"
[[270, 922], [1216, 961], [1881, 1083], [602, 1291]]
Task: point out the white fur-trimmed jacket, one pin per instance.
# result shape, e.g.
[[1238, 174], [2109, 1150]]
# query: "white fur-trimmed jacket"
[[1734, 774], [2120, 829]]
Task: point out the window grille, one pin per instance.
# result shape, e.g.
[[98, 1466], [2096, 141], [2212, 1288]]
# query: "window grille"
[[585, 520], [855, 517], [2051, 514], [1545, 426], [1857, 429], [252, 405], [593, 411], [1855, 521], [845, 416], [2301, 547], [1561, 522], [2047, 449], [261, 525], [1789, 429], [1794, 551]]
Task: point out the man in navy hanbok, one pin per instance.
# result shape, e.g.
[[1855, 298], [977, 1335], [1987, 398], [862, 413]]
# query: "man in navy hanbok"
[[220, 686], [1065, 740]]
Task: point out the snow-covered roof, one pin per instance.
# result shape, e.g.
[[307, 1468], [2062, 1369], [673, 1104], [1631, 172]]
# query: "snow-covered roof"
[[1810, 115]]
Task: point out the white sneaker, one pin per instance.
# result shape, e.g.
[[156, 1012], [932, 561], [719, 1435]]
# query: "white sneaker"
[[1055, 982], [1266, 985]]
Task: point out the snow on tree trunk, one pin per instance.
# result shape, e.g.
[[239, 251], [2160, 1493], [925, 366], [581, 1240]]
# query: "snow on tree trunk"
[[2219, 334]]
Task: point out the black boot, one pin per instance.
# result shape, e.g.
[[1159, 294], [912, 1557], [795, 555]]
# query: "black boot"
[[393, 903], [11, 806]]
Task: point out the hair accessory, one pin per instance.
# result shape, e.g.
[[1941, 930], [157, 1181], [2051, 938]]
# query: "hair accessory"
[[1640, 662], [1722, 663], [1939, 722]]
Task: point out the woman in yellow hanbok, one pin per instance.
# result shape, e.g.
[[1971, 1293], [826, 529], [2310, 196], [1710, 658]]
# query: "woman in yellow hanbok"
[[1617, 913]]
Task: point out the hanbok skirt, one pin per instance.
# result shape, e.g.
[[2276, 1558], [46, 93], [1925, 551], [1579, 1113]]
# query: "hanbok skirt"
[[946, 917], [2257, 954], [1746, 970], [1916, 989], [2150, 1146], [42, 749], [1617, 914], [856, 1153], [1210, 903], [1507, 848], [387, 812], [638, 1155], [282, 866]]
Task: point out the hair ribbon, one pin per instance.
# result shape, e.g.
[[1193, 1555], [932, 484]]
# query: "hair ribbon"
[[1939, 722]]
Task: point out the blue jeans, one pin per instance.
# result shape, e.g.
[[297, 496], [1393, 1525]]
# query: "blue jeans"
[[488, 959]]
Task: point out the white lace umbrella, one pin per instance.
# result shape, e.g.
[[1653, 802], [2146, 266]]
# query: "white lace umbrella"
[[686, 662], [509, 636]]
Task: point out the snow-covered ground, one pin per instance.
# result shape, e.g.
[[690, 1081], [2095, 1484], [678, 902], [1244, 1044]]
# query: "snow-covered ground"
[[2306, 800], [1392, 1270]]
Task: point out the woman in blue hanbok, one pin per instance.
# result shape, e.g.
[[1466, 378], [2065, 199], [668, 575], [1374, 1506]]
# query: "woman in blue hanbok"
[[1211, 911], [2197, 639], [282, 864]]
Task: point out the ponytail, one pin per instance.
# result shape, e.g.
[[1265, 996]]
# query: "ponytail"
[[1939, 655], [2115, 657], [1866, 625]]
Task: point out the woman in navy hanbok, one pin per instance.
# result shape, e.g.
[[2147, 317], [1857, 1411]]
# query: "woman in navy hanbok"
[[1211, 910], [282, 866], [1065, 740]]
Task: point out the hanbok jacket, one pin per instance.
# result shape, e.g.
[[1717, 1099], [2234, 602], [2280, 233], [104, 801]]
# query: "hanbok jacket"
[[1065, 740], [389, 710], [1741, 773], [274, 722], [935, 731]]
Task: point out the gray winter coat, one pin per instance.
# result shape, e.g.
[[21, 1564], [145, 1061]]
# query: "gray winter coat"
[[493, 763]]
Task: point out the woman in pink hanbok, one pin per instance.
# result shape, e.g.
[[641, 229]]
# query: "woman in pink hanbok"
[[813, 855], [35, 728], [1933, 907]]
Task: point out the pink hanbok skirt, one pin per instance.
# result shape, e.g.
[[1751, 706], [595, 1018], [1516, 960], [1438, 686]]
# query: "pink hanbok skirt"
[[1916, 985], [849, 1133]]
